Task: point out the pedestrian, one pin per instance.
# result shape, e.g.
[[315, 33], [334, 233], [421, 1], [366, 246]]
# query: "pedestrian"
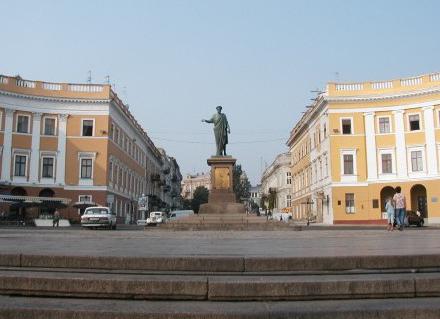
[[56, 219], [399, 204], [390, 213]]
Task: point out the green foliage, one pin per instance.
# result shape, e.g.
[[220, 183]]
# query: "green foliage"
[[241, 183], [272, 200], [263, 201], [200, 197], [186, 204]]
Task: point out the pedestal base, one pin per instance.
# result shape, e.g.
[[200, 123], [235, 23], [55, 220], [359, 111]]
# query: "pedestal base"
[[221, 208]]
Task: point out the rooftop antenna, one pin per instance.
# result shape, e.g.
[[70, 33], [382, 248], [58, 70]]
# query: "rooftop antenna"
[[337, 76], [89, 77]]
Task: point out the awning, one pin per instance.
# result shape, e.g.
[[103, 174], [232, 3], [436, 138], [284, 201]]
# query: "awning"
[[84, 205], [32, 201]]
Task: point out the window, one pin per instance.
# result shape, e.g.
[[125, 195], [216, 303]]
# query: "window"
[[348, 164], [384, 125], [49, 126], [22, 124], [414, 122], [416, 161], [20, 165], [117, 136], [288, 200], [87, 127], [387, 164], [346, 126], [85, 198], [86, 168], [289, 178], [110, 171], [112, 131], [47, 171], [349, 203]]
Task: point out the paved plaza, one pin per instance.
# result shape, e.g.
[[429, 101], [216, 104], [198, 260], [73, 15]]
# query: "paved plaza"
[[151, 243]]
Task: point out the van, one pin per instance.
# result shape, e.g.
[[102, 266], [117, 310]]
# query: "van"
[[180, 214], [98, 217]]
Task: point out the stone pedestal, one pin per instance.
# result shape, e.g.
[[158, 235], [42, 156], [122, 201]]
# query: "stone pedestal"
[[221, 197]]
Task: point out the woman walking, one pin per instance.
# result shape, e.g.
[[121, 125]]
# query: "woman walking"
[[400, 205], [390, 213]]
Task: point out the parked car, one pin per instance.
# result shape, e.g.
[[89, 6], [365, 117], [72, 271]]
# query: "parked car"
[[156, 218], [411, 218], [98, 217], [177, 214]]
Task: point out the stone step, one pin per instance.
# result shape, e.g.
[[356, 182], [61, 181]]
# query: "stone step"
[[213, 264], [61, 308], [218, 287]]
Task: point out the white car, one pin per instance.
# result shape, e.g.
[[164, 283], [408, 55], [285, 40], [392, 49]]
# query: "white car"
[[95, 217], [156, 218]]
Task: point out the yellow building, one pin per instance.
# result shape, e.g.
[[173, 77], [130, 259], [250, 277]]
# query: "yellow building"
[[76, 141], [358, 141]]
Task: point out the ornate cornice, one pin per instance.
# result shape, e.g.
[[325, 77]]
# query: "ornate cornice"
[[382, 97], [53, 99]]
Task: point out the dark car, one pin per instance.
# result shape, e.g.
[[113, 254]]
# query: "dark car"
[[411, 218]]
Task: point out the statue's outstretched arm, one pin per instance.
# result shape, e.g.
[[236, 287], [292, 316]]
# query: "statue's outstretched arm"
[[207, 121]]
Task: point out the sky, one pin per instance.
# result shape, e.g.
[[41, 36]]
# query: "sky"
[[173, 62]]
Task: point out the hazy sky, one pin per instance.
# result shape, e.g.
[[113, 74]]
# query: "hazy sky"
[[174, 61]]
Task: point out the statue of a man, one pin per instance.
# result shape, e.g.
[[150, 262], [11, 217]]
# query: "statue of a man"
[[221, 130]]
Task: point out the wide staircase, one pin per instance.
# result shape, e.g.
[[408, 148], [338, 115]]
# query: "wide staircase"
[[227, 222], [35, 286]]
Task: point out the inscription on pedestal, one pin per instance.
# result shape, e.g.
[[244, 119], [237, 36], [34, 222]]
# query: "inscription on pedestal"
[[221, 178]]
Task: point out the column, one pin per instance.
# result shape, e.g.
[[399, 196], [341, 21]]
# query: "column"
[[401, 162], [370, 139], [7, 146], [35, 148], [431, 151], [61, 153]]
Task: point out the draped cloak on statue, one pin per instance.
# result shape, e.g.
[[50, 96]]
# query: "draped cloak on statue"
[[221, 127]]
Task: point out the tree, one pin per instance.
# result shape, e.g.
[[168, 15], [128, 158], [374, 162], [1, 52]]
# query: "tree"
[[201, 195], [186, 203], [272, 198], [241, 183]]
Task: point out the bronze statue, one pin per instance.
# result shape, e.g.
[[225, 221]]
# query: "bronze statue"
[[221, 130]]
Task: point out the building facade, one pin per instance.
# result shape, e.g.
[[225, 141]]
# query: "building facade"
[[255, 194], [359, 141], [171, 181], [191, 182], [277, 179], [75, 141]]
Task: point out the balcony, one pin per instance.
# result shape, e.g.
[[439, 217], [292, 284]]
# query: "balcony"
[[155, 177]]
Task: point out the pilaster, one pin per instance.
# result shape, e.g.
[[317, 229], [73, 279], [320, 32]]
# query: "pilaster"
[[61, 153], [401, 161], [35, 148], [370, 139], [7, 146], [431, 150]]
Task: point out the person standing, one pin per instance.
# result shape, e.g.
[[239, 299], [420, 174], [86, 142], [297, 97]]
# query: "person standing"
[[56, 219], [390, 213], [399, 204]]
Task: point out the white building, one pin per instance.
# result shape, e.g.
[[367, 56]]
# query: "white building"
[[277, 178]]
